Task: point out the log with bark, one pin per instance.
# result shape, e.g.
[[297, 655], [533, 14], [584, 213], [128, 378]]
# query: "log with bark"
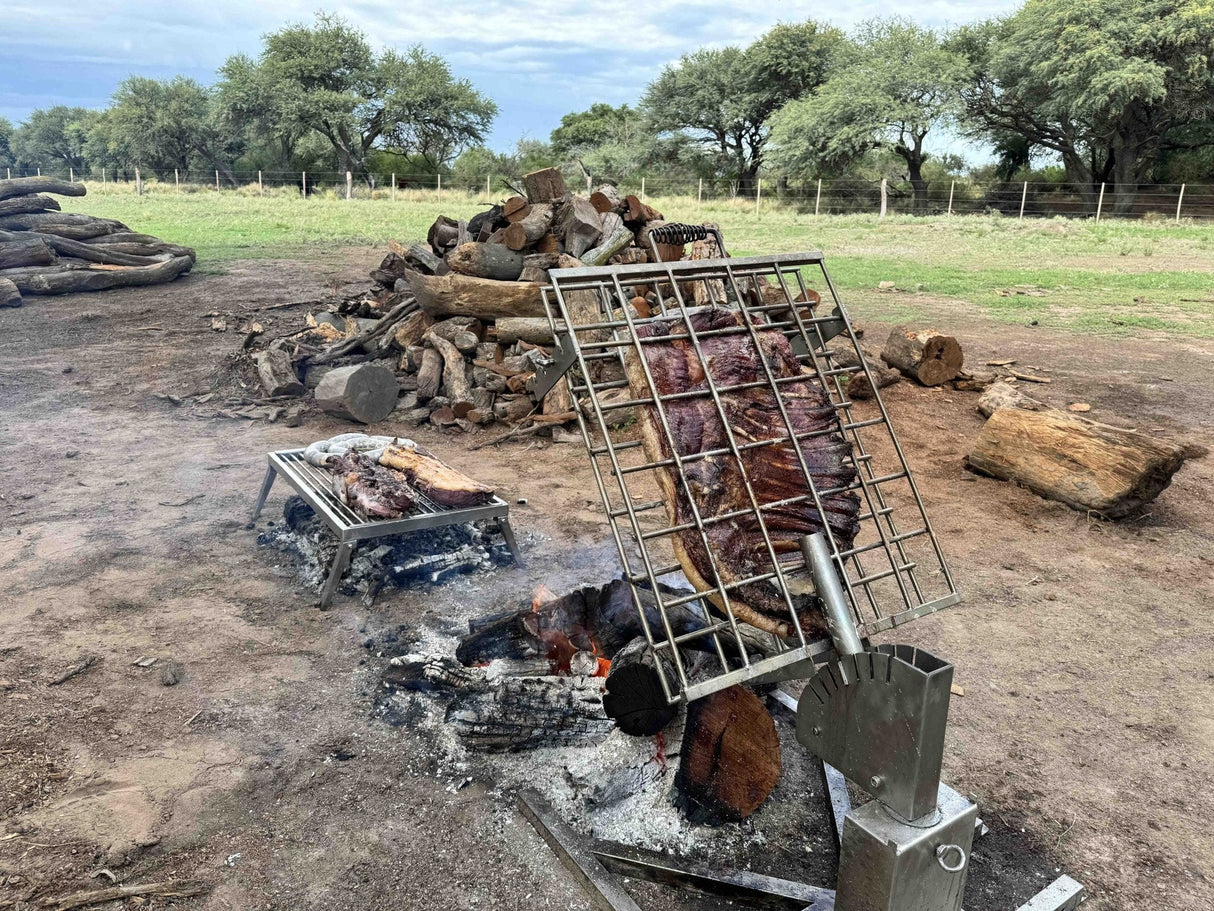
[[859, 385], [925, 355], [730, 760], [22, 205], [507, 713], [496, 261], [544, 186], [10, 294], [633, 696], [17, 250], [28, 186], [1086, 465], [455, 378], [527, 231], [607, 198], [465, 295], [363, 392], [533, 329], [66, 278]]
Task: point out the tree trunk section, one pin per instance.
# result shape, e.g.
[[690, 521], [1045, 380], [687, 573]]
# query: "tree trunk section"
[[466, 295], [925, 355], [1088, 466], [544, 185], [27, 186], [608, 248], [67, 278], [486, 261], [730, 759], [25, 205], [364, 392], [455, 377], [607, 199], [429, 375], [579, 225], [633, 696], [529, 230], [1005, 395], [26, 251]]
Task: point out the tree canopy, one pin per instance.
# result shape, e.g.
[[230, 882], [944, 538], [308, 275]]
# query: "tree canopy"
[[896, 84]]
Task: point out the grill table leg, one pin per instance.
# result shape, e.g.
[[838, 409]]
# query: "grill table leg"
[[503, 525], [271, 474], [345, 552]]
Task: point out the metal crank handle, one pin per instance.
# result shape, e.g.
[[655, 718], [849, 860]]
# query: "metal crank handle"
[[681, 235], [942, 851]]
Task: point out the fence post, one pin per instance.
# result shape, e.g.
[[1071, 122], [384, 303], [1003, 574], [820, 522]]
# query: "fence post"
[[884, 195], [304, 184], [260, 189], [217, 180], [588, 186], [642, 190], [700, 192], [951, 188], [1024, 195], [349, 185], [71, 175], [8, 173], [103, 178], [1178, 203], [138, 183], [177, 179], [1100, 202], [394, 186], [40, 172], [439, 185], [489, 185], [818, 198], [758, 194]]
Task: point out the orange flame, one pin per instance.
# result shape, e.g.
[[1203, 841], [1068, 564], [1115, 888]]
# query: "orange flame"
[[541, 597]]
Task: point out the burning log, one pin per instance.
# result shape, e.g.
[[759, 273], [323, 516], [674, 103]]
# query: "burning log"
[[925, 355], [508, 713], [730, 760], [633, 695], [1088, 466]]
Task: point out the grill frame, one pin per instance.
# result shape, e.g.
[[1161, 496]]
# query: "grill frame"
[[607, 333]]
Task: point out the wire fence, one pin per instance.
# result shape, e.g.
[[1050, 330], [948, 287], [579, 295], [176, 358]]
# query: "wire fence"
[[837, 196]]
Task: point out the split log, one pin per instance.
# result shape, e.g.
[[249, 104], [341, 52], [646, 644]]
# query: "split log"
[[536, 330], [412, 329], [527, 231], [1005, 395], [508, 713], [364, 392], [633, 696], [638, 212], [544, 185], [1088, 466], [27, 186], [418, 255], [66, 278], [559, 401], [548, 244], [465, 332], [24, 250], [730, 760], [22, 205], [606, 198], [429, 375], [536, 266], [455, 377], [484, 298], [515, 209], [442, 234], [364, 340], [609, 247], [512, 409], [925, 355], [277, 373], [10, 294], [975, 379], [495, 261], [579, 225]]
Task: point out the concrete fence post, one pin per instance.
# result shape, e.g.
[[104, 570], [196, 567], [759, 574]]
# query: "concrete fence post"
[[261, 190], [818, 198], [304, 184], [138, 183], [1179, 202], [440, 186], [700, 191], [488, 184], [1100, 202], [177, 179], [71, 175], [642, 190], [884, 196], [1024, 195], [951, 188], [758, 194], [217, 180], [349, 185]]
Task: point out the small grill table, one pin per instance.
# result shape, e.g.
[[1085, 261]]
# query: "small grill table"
[[315, 486]]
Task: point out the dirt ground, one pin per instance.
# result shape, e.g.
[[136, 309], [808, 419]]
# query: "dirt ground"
[[1083, 646]]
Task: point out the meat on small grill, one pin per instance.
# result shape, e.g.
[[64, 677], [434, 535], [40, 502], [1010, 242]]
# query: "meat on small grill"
[[439, 482], [372, 491], [716, 482]]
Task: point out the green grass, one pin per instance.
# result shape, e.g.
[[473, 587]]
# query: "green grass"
[[1116, 277]]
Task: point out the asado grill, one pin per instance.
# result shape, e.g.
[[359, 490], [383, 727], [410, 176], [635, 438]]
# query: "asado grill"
[[877, 715]]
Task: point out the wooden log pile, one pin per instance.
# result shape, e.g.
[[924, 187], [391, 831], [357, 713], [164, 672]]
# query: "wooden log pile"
[[459, 318], [46, 251]]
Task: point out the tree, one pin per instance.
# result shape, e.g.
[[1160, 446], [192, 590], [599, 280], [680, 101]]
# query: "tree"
[[898, 84], [245, 102], [722, 98], [7, 159], [327, 78], [1110, 86], [54, 137]]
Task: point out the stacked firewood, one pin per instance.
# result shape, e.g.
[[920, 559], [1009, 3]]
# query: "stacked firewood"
[[46, 251], [461, 321]]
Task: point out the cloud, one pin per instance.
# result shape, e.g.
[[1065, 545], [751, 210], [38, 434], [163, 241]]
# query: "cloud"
[[538, 59]]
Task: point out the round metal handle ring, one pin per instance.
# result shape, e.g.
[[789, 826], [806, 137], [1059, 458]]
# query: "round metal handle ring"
[[943, 851]]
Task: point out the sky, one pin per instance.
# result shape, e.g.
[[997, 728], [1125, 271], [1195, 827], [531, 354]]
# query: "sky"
[[538, 59]]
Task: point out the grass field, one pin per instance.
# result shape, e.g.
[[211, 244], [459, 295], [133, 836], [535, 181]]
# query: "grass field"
[[1116, 277]]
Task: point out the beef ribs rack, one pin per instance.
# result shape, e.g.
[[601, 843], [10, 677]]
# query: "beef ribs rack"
[[744, 443]]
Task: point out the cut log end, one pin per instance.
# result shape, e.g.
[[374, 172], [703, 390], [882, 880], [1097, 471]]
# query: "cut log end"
[[925, 355]]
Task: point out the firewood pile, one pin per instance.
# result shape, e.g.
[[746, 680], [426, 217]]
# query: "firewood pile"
[[455, 328], [46, 251]]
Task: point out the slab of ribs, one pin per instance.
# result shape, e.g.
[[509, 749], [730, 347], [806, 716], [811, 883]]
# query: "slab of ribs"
[[716, 483], [393, 486]]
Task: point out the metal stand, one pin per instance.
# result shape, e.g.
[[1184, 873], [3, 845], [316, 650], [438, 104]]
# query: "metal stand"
[[314, 485]]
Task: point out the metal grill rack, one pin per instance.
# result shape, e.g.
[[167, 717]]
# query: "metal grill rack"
[[894, 571], [315, 486]]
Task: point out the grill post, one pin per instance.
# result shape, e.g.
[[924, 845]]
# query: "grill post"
[[839, 620]]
